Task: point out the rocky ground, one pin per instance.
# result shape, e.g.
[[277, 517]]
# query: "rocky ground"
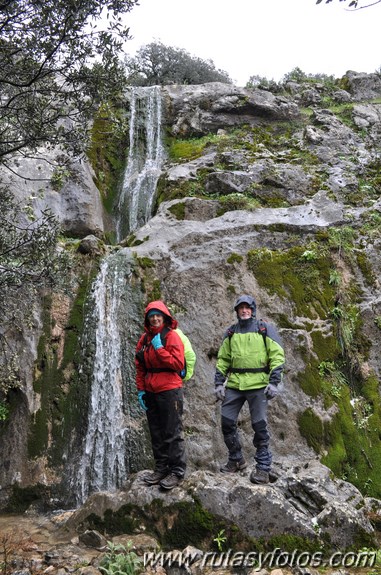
[[32, 544]]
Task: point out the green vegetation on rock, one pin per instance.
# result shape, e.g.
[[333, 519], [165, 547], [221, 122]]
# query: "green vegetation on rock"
[[308, 277]]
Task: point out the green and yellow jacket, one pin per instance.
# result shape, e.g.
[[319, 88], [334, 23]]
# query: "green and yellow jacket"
[[251, 356]]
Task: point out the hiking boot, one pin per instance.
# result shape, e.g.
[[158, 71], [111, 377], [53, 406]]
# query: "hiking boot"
[[259, 476], [170, 481], [233, 466], [155, 477]]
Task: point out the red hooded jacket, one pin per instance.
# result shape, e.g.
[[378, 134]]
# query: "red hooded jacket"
[[170, 356]]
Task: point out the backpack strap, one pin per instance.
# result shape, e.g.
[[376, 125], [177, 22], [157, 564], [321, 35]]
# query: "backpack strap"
[[160, 370], [140, 354], [261, 325], [262, 329], [231, 330], [163, 334], [250, 369]]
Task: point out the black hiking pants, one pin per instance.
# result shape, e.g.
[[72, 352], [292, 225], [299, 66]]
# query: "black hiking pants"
[[164, 414], [230, 409]]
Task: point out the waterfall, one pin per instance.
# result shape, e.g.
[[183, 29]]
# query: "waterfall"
[[144, 160], [115, 435], [113, 444]]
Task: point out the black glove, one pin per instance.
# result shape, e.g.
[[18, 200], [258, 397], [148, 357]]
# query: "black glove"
[[271, 391], [219, 392]]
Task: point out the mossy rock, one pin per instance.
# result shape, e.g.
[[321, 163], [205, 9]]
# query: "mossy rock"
[[185, 523], [290, 275], [178, 210], [175, 526]]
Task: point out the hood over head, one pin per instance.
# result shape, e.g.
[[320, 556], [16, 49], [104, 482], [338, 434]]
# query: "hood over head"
[[246, 299], [162, 308]]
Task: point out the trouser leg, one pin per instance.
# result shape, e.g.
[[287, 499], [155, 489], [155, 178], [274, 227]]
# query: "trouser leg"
[[165, 424], [258, 412], [230, 409], [154, 418]]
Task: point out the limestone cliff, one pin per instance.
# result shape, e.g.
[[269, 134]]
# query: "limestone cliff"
[[276, 195]]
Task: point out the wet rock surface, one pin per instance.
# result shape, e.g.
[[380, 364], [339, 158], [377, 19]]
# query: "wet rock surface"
[[191, 262]]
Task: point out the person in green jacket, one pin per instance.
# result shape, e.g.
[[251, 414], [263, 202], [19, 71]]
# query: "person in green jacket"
[[249, 368]]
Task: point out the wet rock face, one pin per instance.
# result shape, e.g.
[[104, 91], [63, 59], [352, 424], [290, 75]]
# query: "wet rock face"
[[191, 259], [197, 261], [196, 110]]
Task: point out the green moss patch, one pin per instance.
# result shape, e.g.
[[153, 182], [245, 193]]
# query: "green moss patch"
[[178, 210], [23, 497], [107, 151], [175, 526], [234, 259], [190, 149], [184, 523], [298, 275], [63, 391], [350, 443]]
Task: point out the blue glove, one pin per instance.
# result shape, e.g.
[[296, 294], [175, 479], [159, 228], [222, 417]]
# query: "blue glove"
[[183, 373], [156, 341], [271, 391], [141, 395]]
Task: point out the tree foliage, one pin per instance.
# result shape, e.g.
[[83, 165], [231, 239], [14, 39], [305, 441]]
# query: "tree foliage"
[[26, 245], [263, 83], [295, 75], [56, 62], [59, 59], [353, 4], [157, 64], [29, 261]]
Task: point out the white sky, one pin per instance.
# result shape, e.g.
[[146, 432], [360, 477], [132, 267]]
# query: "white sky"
[[268, 38]]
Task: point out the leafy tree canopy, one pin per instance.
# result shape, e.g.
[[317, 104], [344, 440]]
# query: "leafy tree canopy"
[[296, 75], [157, 64], [59, 59], [353, 4], [29, 261], [56, 62]]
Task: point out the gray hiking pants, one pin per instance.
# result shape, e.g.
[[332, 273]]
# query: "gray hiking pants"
[[230, 409]]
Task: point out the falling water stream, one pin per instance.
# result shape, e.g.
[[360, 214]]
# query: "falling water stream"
[[103, 464], [114, 441], [144, 162]]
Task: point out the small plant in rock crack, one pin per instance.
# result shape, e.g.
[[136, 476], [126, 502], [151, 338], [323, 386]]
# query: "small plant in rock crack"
[[220, 539], [120, 560]]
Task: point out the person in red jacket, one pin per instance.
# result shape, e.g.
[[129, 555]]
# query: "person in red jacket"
[[159, 361]]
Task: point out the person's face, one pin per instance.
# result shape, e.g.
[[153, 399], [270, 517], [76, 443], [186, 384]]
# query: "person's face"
[[244, 311], [156, 320]]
